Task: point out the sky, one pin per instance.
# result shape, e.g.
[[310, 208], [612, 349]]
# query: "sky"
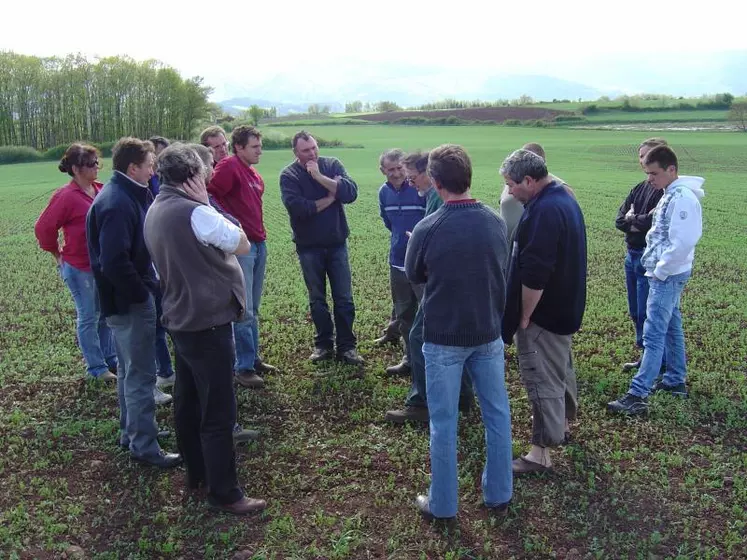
[[236, 45]]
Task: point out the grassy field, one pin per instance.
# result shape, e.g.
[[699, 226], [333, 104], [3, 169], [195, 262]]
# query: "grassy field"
[[338, 480]]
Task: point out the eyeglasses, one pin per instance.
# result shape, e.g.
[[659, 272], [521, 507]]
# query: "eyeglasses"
[[413, 177], [92, 164]]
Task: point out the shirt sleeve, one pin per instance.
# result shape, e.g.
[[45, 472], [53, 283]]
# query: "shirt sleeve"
[[539, 252], [382, 209], [347, 189], [210, 228], [685, 229], [620, 222], [299, 207], [414, 258], [222, 181], [49, 223]]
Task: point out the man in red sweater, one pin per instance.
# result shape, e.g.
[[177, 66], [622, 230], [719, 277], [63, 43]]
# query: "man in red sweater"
[[238, 188]]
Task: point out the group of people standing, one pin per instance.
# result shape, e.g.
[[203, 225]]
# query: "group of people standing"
[[465, 280]]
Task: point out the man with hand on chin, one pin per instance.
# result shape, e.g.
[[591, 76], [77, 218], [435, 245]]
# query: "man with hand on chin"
[[313, 190], [193, 246]]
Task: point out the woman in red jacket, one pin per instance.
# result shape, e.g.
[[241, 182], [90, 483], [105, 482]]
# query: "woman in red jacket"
[[67, 210]]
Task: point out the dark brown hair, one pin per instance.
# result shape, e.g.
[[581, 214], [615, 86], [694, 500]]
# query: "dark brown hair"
[[241, 134], [450, 166], [78, 154], [300, 135], [130, 150], [652, 143], [663, 155]]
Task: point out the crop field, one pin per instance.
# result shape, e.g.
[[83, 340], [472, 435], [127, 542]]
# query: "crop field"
[[339, 482]]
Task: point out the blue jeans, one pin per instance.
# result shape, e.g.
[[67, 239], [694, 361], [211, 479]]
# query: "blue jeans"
[[637, 284], [163, 358], [134, 332], [246, 333], [417, 395], [443, 370], [662, 335], [94, 337], [317, 264]]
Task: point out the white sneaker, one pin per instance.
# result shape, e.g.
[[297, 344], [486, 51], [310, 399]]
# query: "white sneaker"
[[161, 397], [165, 381]]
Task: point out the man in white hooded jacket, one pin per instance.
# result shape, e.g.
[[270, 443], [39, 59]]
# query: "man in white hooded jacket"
[[670, 247]]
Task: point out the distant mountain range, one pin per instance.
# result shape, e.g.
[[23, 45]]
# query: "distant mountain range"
[[680, 75]]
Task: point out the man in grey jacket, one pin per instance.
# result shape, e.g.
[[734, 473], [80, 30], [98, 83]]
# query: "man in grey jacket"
[[203, 293]]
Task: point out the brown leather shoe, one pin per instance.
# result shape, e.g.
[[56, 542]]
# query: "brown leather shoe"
[[245, 506], [250, 380]]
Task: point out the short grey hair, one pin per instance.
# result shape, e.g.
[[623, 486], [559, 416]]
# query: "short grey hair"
[[394, 154], [523, 163], [177, 163], [204, 152]]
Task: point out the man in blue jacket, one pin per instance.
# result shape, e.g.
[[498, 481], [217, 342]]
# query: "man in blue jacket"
[[401, 209], [313, 190], [125, 281]]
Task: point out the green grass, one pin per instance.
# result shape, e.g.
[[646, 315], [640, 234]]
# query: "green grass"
[[339, 482], [663, 116]]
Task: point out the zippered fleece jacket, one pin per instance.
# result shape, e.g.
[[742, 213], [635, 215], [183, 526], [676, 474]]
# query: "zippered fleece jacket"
[[401, 209], [676, 227]]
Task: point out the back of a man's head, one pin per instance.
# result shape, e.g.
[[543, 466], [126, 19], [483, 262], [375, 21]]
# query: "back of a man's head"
[[130, 150], [450, 167], [177, 163], [535, 149], [652, 143], [664, 156], [524, 163]]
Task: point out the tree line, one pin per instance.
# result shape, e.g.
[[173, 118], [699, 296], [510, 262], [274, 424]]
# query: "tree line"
[[45, 102]]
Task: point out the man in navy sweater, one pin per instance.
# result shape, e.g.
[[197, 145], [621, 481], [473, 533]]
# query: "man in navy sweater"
[[401, 208], [313, 190], [546, 300], [459, 253], [125, 280]]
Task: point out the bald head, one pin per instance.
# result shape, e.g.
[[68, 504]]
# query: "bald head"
[[535, 149]]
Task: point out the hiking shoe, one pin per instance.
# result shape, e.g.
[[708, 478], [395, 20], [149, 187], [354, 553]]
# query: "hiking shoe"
[[408, 414], [627, 366], [402, 369], [321, 354], [165, 381], [107, 376], [351, 357], [629, 404], [676, 390], [249, 379], [263, 369], [386, 339], [160, 397], [240, 435]]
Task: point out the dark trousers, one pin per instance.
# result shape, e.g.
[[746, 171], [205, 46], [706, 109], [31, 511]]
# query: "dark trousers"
[[318, 264], [417, 395], [205, 410], [406, 297]]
